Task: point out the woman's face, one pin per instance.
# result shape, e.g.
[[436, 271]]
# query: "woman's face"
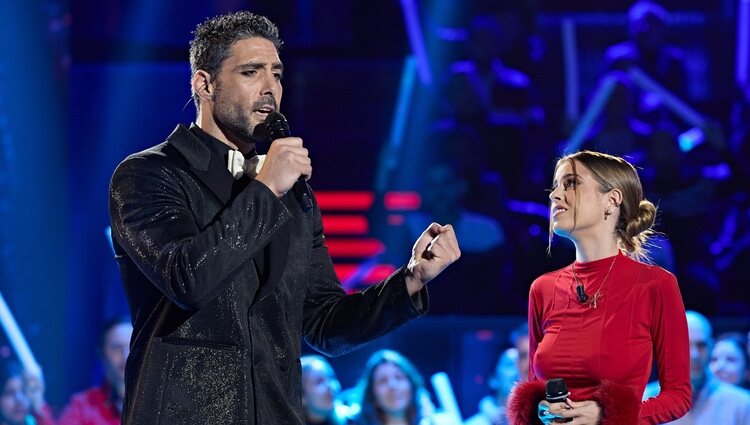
[[727, 362], [319, 387], [577, 195], [392, 389], [14, 405]]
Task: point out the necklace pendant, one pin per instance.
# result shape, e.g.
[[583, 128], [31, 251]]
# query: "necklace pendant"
[[595, 298]]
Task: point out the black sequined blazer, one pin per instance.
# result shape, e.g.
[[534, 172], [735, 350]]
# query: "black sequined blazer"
[[212, 343]]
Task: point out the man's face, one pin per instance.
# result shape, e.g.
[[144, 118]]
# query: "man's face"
[[247, 87], [699, 349], [115, 353]]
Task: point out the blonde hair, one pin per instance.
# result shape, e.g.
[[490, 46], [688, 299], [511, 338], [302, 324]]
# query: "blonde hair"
[[637, 215]]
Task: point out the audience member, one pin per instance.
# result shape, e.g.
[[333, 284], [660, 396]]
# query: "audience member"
[[512, 367], [492, 407], [393, 392], [648, 50], [494, 99], [519, 337], [22, 399], [319, 392], [102, 405], [729, 360], [714, 402]]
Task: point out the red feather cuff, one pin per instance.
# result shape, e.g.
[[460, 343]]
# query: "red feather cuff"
[[620, 404], [523, 402]]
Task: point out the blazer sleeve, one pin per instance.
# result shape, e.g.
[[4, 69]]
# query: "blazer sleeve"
[[152, 220], [671, 349], [335, 323]]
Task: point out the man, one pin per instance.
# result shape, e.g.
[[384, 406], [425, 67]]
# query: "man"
[[319, 390], [648, 49], [102, 405], [714, 402], [225, 276]]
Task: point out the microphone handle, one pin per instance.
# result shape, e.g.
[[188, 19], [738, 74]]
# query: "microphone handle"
[[303, 194]]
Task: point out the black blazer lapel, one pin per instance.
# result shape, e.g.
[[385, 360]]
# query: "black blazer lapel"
[[202, 163]]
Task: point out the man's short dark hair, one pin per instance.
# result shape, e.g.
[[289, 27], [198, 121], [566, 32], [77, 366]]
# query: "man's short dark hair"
[[214, 38]]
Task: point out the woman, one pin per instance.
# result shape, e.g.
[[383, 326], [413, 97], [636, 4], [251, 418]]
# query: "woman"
[[320, 389], [22, 398], [729, 361], [599, 322], [393, 392]]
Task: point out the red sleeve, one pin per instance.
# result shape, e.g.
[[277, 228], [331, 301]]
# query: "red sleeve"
[[536, 307], [671, 351]]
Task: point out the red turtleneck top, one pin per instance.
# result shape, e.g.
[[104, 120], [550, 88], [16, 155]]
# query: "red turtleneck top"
[[639, 315]]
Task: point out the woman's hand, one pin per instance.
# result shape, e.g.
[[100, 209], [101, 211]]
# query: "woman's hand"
[[549, 412], [571, 412]]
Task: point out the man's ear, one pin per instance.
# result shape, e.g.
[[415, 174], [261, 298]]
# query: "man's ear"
[[202, 85]]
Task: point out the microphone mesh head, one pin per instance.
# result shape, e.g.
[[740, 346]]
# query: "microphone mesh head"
[[275, 126], [557, 390], [278, 125]]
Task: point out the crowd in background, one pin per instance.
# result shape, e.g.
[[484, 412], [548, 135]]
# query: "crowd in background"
[[391, 390]]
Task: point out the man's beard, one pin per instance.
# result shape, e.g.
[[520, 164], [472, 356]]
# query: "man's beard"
[[234, 121]]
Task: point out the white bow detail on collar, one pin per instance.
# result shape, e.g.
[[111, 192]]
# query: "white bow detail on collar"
[[238, 165]]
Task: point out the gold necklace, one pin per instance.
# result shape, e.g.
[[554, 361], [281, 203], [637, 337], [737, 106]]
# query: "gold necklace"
[[591, 301]]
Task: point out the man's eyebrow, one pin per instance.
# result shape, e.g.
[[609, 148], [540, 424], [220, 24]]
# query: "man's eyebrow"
[[260, 65]]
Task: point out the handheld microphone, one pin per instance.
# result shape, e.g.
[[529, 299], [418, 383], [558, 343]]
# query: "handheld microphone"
[[556, 390], [276, 127]]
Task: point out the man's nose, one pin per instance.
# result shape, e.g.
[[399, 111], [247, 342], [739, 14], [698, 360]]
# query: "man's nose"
[[270, 85]]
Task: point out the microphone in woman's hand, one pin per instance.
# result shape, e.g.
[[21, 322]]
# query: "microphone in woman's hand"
[[557, 391]]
